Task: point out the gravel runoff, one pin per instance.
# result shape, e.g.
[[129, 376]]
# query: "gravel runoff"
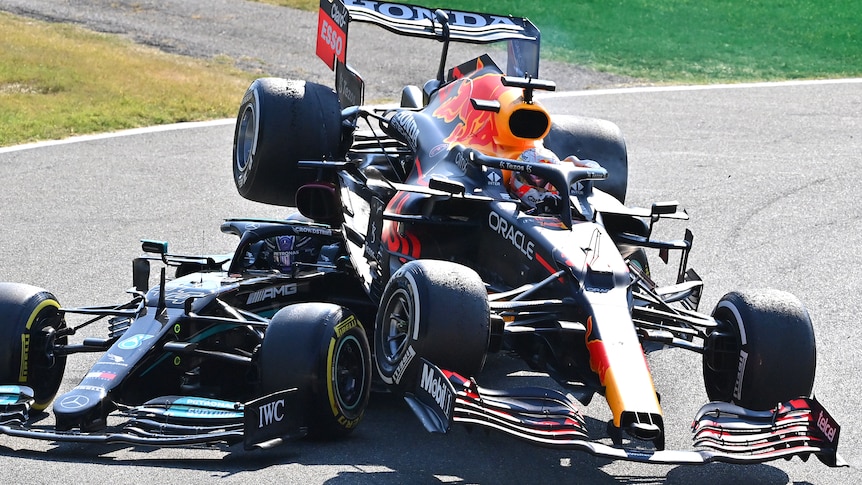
[[277, 41]]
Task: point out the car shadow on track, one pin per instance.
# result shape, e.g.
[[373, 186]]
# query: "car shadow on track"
[[391, 446]]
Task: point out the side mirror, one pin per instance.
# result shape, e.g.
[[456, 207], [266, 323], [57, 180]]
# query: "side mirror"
[[448, 186], [664, 208], [155, 247], [411, 97], [141, 274], [430, 87], [661, 209], [319, 201]]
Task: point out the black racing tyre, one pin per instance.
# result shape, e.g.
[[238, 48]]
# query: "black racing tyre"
[[763, 351], [322, 350], [279, 123], [29, 319], [432, 309], [592, 139]]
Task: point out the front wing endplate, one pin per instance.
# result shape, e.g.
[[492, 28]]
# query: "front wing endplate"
[[722, 432]]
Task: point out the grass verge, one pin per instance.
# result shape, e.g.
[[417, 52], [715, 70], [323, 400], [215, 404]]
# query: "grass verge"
[[689, 41], [59, 80]]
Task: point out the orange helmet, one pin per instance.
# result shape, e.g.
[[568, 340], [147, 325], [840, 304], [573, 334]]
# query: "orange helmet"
[[520, 124]]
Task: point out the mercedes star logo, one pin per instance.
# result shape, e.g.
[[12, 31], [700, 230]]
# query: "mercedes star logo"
[[75, 401]]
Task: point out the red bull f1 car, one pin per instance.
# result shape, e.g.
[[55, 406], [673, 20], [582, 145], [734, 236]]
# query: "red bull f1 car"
[[407, 262]]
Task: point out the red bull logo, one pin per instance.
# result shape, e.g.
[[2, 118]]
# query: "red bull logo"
[[628, 383], [475, 128], [599, 362]]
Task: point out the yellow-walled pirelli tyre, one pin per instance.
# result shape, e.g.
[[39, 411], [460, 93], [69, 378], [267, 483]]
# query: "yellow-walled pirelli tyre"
[[322, 350], [29, 320]]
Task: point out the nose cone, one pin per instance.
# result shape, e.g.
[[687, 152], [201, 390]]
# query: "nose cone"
[[644, 431], [80, 408]]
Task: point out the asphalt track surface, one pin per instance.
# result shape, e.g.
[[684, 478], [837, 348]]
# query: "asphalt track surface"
[[768, 173]]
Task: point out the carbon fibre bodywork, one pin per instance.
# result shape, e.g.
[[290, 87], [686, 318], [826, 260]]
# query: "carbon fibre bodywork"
[[182, 363]]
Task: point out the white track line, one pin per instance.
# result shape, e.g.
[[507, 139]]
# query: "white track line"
[[697, 87], [562, 94], [115, 134]]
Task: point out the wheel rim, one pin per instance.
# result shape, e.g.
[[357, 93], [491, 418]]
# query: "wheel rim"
[[45, 377], [349, 368], [397, 326], [721, 359], [245, 139]]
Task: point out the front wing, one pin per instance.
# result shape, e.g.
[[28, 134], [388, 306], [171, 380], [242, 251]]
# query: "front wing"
[[724, 432], [170, 421]]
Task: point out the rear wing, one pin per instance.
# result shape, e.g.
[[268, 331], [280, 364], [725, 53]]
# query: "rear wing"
[[416, 21], [523, 36]]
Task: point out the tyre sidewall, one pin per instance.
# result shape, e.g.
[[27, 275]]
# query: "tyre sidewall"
[[292, 121], [249, 112], [449, 322], [391, 372], [347, 337], [777, 355], [301, 349], [592, 139], [24, 312]]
